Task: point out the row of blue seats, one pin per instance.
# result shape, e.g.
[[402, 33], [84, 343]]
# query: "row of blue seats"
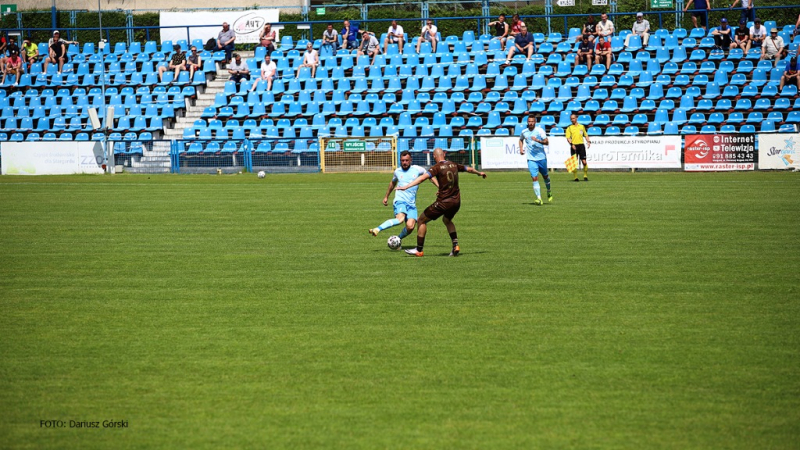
[[186, 91], [54, 112], [81, 136], [76, 123], [97, 69], [119, 79], [129, 100]]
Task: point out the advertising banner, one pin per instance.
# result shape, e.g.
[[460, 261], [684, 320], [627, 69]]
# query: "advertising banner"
[[626, 152], [778, 151], [503, 153], [207, 24], [51, 158], [717, 152]]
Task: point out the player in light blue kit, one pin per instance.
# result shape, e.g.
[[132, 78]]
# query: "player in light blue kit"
[[531, 142], [405, 202]]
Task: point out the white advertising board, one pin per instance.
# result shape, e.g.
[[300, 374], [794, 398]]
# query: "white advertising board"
[[778, 151], [207, 24], [51, 158], [503, 153]]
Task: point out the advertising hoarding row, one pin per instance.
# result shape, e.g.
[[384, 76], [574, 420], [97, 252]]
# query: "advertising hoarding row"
[[207, 24]]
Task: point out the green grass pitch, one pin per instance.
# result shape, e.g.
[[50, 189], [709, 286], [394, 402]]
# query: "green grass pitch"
[[642, 311]]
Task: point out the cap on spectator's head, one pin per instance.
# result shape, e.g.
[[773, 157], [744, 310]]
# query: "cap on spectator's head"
[[742, 20], [774, 30], [724, 20], [639, 15], [55, 32], [235, 55], [757, 20]]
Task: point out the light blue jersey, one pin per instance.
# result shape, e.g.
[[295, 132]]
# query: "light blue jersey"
[[404, 177], [533, 150]]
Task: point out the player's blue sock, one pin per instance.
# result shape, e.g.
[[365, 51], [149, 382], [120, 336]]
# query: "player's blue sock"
[[403, 233], [388, 224], [547, 183], [537, 190]]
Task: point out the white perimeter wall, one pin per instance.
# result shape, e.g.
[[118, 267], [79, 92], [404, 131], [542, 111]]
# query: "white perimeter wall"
[[157, 4]]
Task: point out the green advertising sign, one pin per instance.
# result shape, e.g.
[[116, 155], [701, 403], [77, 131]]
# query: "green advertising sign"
[[320, 11], [354, 146], [8, 9], [660, 4]]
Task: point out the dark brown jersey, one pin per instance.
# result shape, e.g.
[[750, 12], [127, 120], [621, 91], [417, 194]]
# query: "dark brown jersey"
[[446, 173]]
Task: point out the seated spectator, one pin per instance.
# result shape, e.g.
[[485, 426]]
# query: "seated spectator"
[[268, 37], [523, 44], [603, 52], [349, 35], [310, 59], [176, 63], [394, 35], [330, 39], [369, 46], [757, 34], [225, 41], [701, 8], [194, 62], [722, 35], [585, 52], [605, 28], [791, 74], [268, 71], [238, 69], [773, 47], [640, 28], [515, 29], [428, 34], [741, 37], [748, 12], [13, 67], [12, 46], [501, 29], [589, 29], [57, 53], [30, 53]]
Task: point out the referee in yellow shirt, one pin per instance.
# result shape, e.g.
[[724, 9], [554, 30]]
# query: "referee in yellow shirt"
[[576, 135]]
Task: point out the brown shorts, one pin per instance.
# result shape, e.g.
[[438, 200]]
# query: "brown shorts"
[[447, 207]]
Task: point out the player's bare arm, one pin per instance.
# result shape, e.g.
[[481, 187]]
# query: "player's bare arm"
[[389, 191], [521, 147], [480, 174], [416, 181]]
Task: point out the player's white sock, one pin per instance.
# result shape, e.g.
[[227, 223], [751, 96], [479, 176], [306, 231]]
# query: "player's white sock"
[[537, 190], [388, 224]]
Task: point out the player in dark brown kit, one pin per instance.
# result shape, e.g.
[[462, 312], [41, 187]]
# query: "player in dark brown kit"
[[448, 199]]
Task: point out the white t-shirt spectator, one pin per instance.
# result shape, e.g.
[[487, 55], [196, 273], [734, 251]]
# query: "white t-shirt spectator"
[[429, 31], [605, 28], [332, 36], [268, 70], [640, 27], [310, 57], [372, 43], [238, 67], [396, 30], [761, 33]]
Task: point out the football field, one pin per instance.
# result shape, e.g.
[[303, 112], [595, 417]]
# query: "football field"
[[642, 311]]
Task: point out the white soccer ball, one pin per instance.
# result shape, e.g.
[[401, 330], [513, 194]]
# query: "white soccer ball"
[[262, 174], [394, 242]]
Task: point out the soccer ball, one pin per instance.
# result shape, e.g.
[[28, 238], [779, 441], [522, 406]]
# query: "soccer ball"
[[394, 242], [262, 174]]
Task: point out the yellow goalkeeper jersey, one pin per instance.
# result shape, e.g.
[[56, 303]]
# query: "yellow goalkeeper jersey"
[[575, 133]]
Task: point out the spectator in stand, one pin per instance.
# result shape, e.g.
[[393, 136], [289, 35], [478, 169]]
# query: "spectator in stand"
[[605, 28], [501, 29], [12, 46], [268, 37], [589, 29], [701, 8], [349, 36], [268, 71], [603, 52], [369, 46], [13, 67], [796, 26], [238, 69], [58, 53], [176, 63], [330, 39], [57, 37], [310, 59], [741, 37], [748, 12], [791, 74], [773, 47], [516, 28], [757, 34], [394, 35], [428, 34], [585, 52], [722, 35], [225, 41], [523, 43], [640, 28], [194, 62], [30, 53]]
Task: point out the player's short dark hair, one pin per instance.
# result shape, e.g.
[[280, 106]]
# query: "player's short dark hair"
[[534, 117], [405, 153], [501, 15]]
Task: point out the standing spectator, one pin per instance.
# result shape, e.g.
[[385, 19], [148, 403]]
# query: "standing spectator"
[[757, 34], [30, 53], [330, 39], [349, 35], [748, 12], [791, 74], [369, 46], [394, 35], [589, 29], [194, 63], [58, 53], [741, 37], [722, 35], [603, 52], [225, 41], [428, 34], [523, 43], [13, 67], [516, 28], [585, 52], [238, 69], [701, 8], [500, 29], [605, 28], [640, 28], [310, 59], [268, 37], [268, 71], [773, 47], [176, 63]]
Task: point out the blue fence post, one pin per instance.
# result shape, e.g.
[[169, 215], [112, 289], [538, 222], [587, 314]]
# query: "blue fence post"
[[248, 155], [174, 157]]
